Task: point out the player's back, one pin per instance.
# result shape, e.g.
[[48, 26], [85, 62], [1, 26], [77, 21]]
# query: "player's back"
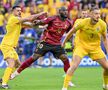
[[13, 29]]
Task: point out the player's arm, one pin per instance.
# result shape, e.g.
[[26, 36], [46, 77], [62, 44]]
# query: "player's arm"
[[30, 18], [43, 21], [27, 24], [104, 37], [71, 32], [105, 41], [68, 36]]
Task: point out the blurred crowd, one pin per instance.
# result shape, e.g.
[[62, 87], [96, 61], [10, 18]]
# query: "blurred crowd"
[[29, 7]]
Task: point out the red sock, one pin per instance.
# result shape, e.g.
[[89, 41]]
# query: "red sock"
[[66, 65], [25, 64]]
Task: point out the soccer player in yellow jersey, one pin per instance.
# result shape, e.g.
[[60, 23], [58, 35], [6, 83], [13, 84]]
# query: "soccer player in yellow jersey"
[[10, 42], [84, 14], [91, 30]]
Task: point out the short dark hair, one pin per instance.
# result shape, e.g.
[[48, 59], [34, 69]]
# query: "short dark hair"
[[62, 8], [94, 7], [14, 7]]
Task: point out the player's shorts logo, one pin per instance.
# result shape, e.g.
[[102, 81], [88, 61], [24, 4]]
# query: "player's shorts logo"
[[40, 46]]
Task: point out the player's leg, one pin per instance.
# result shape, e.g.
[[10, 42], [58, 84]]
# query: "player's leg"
[[77, 57], [65, 61], [39, 51], [104, 63], [59, 52], [50, 58], [7, 73], [100, 57], [17, 62], [75, 62], [9, 56]]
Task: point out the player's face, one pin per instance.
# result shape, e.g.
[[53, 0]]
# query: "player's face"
[[95, 15], [84, 14], [17, 12], [63, 13]]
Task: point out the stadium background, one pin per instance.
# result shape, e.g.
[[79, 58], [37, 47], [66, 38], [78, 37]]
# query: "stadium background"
[[29, 7]]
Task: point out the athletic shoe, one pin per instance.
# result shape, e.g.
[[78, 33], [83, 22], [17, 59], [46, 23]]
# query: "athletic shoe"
[[64, 88], [0, 80], [71, 84], [13, 75], [4, 86]]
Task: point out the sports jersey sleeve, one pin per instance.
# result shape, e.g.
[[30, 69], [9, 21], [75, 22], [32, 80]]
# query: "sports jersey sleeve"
[[79, 25], [48, 20], [104, 28], [14, 20], [76, 22]]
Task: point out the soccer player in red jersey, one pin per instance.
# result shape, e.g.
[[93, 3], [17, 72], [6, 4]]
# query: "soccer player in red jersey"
[[51, 40]]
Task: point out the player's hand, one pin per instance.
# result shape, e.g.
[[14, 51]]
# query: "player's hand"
[[41, 13], [63, 45], [36, 22]]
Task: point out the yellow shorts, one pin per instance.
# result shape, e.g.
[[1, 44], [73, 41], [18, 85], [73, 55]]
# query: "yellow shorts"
[[9, 52], [95, 54]]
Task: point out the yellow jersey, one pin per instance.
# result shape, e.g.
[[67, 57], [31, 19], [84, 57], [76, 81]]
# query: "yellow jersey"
[[13, 29], [76, 40], [90, 35]]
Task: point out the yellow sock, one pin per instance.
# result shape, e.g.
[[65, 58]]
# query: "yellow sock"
[[67, 80], [6, 75], [105, 80]]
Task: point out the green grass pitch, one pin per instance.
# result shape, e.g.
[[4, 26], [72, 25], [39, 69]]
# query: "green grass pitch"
[[86, 78]]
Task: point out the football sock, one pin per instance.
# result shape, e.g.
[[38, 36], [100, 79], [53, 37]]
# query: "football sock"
[[106, 80], [25, 64], [6, 75], [66, 65], [66, 81]]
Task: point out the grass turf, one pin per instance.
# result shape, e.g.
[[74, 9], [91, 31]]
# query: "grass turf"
[[86, 78]]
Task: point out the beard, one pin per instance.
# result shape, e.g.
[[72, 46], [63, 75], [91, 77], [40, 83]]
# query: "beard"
[[96, 20], [63, 16]]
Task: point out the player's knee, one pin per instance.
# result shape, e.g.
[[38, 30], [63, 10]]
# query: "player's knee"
[[106, 68], [17, 64], [74, 66], [63, 57], [11, 64], [36, 56]]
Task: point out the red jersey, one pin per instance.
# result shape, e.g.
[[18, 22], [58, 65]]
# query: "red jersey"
[[43, 16], [55, 30]]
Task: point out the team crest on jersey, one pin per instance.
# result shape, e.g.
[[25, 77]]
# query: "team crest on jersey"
[[97, 29], [40, 46]]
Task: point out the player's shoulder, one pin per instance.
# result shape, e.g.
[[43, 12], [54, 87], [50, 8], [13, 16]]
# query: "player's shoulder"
[[78, 20], [54, 17], [102, 22], [86, 19], [12, 17]]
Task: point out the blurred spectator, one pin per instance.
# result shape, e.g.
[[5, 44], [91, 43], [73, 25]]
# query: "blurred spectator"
[[2, 8], [72, 4], [102, 3], [74, 13], [7, 5], [2, 21], [30, 36]]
